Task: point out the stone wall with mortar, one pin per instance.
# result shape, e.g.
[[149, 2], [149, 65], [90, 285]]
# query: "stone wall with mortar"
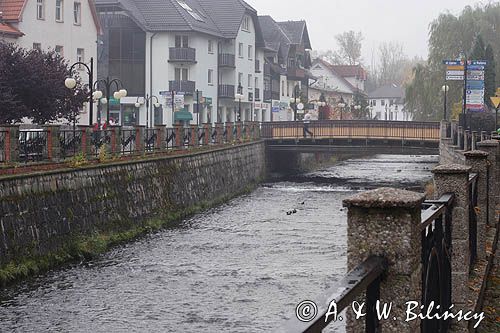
[[40, 213], [449, 154]]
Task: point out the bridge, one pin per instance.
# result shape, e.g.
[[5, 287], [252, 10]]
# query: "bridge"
[[349, 135]]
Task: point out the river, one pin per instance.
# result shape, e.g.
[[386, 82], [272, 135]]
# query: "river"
[[240, 267]]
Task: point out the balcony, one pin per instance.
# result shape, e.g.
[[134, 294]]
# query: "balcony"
[[182, 54], [226, 91], [187, 87], [227, 60], [295, 73], [257, 94], [257, 66]]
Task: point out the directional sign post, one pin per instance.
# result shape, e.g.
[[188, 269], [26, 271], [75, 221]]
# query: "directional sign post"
[[496, 103]]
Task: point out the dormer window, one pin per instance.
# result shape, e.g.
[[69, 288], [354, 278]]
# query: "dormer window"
[[40, 9], [191, 12], [245, 25]]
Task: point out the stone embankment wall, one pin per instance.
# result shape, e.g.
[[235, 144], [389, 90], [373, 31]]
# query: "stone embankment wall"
[[449, 154], [39, 214]]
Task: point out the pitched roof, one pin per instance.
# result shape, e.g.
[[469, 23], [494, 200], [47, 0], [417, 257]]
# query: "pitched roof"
[[388, 91], [333, 69], [275, 37], [6, 29], [11, 9], [296, 32], [351, 71]]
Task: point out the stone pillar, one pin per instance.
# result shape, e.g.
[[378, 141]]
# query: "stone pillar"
[[86, 146], [207, 130], [11, 143], [443, 128], [161, 133], [140, 142], [229, 128], [53, 144], [219, 128], [460, 137], [386, 222], [466, 140], [478, 161], [179, 135], [474, 140], [239, 131], [492, 147], [454, 178], [194, 136]]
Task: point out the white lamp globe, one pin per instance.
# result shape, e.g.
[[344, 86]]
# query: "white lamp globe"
[[117, 95], [104, 100], [97, 94], [123, 93], [137, 104], [70, 83], [157, 105]]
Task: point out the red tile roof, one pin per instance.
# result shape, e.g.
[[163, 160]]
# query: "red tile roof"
[[351, 71], [11, 9], [6, 29]]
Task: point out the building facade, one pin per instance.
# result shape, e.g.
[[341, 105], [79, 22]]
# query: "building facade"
[[69, 27], [388, 103]]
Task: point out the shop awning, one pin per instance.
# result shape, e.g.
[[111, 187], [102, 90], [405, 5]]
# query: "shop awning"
[[183, 116]]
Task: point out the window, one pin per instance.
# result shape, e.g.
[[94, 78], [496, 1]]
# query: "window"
[[250, 81], [59, 11], [40, 9], [374, 102], [181, 74], [210, 76], [80, 55], [210, 46], [245, 24], [256, 82], [60, 50], [382, 102], [77, 13], [240, 78], [37, 46], [282, 88], [240, 50], [191, 12], [181, 41], [250, 52]]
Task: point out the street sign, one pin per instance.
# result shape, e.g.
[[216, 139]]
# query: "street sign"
[[450, 72], [454, 78], [453, 62], [495, 101], [455, 68], [477, 62], [300, 106]]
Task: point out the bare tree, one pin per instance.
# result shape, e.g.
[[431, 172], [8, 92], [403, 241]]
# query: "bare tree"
[[350, 46]]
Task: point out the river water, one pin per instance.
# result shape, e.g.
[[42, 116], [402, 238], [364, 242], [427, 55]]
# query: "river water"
[[240, 267]]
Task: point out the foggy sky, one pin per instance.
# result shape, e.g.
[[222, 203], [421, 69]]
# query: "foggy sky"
[[378, 20]]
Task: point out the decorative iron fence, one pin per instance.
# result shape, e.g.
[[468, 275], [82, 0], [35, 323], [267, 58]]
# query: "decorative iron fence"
[[201, 136], [436, 260], [186, 136], [100, 138], [3, 146], [33, 145], [70, 142], [170, 138], [150, 139], [128, 141]]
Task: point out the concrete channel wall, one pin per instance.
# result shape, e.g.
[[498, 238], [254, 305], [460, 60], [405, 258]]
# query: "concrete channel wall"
[[42, 213]]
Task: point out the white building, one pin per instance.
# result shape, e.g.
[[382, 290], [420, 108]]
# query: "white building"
[[199, 50], [331, 83], [70, 27], [388, 103]]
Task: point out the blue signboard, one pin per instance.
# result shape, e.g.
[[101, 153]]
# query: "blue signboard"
[[453, 62]]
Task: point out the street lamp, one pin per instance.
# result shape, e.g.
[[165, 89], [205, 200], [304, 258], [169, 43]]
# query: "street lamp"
[[295, 100], [70, 83], [445, 88], [239, 96], [341, 105], [147, 100], [357, 107], [107, 83]]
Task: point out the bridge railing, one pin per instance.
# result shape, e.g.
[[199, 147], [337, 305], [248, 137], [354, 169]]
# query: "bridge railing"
[[364, 129], [463, 139], [56, 144]]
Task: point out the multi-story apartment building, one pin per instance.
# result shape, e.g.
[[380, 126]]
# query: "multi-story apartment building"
[[288, 61], [70, 27], [199, 51]]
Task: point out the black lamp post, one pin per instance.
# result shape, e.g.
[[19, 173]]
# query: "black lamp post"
[[341, 106], [295, 100], [107, 83], [70, 83], [445, 89], [147, 100], [239, 96]]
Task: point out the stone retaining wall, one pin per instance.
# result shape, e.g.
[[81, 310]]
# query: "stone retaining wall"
[[41, 213]]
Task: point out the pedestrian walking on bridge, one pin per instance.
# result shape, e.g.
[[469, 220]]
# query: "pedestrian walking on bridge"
[[307, 121]]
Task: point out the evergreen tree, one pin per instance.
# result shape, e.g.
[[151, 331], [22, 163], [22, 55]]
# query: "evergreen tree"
[[478, 49]]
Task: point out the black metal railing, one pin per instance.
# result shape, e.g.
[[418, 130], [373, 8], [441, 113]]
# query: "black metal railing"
[[186, 137], [436, 260], [182, 54], [473, 178], [33, 145], [226, 91], [150, 139], [227, 60], [70, 142], [224, 135], [99, 139], [365, 277], [3, 146], [187, 87], [200, 133], [128, 141], [170, 138], [213, 135]]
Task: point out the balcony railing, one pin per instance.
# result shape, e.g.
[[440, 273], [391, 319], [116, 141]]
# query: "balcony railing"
[[257, 94], [226, 91], [271, 95], [296, 73], [187, 87], [182, 54], [227, 60], [267, 69], [257, 66]]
